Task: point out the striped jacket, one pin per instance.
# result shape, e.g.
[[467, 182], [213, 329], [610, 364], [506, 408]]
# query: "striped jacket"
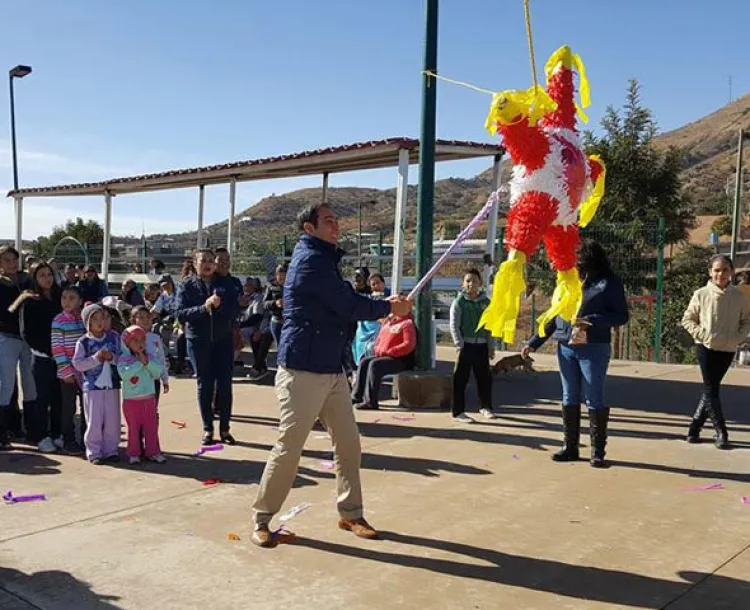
[[66, 330]]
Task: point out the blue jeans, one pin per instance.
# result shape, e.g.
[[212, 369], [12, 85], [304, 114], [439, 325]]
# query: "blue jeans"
[[583, 370], [214, 365], [276, 331], [14, 354]]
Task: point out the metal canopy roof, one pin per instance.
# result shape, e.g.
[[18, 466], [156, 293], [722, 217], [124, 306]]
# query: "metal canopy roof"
[[351, 157]]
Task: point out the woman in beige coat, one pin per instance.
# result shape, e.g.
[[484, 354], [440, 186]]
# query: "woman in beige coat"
[[718, 318]]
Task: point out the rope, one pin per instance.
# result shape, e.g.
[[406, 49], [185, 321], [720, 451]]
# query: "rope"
[[531, 42], [457, 82]]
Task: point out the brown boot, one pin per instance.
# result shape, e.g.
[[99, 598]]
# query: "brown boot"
[[263, 536], [359, 527]]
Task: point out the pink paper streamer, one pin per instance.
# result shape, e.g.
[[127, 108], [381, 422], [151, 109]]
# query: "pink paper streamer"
[[744, 500], [708, 487], [327, 465], [206, 449], [462, 236], [9, 498], [404, 417]]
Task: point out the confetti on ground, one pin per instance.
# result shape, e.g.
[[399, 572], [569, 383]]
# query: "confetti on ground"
[[179, 424], [232, 536], [325, 464], [377, 421], [708, 487], [744, 500], [404, 417], [294, 511], [515, 457], [210, 482], [207, 448], [9, 498]]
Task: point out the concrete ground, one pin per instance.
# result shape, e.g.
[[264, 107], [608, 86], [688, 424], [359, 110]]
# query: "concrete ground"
[[473, 516]]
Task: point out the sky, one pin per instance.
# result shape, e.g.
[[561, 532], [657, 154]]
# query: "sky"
[[121, 88]]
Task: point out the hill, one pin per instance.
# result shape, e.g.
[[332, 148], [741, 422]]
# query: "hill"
[[710, 155]]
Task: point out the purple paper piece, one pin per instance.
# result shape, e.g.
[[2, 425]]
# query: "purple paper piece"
[[11, 499], [216, 447], [708, 487], [462, 236], [515, 457], [327, 465], [744, 500]]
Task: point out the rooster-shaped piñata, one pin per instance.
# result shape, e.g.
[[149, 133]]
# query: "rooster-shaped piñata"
[[555, 188]]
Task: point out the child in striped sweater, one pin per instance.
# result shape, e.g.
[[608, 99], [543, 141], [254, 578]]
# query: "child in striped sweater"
[[67, 328]]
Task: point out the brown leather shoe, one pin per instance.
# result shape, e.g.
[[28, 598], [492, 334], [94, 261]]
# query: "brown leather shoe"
[[263, 536], [359, 527]]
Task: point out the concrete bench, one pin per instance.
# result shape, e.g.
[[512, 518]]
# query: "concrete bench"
[[423, 389]]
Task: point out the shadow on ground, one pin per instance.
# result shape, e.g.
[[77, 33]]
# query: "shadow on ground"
[[573, 581]]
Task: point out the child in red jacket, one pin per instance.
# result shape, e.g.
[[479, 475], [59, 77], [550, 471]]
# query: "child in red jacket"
[[394, 353]]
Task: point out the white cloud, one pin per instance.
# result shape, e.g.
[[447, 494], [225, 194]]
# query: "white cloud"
[[53, 163], [41, 218]]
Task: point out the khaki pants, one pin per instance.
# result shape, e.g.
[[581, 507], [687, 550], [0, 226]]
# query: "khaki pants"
[[304, 397]]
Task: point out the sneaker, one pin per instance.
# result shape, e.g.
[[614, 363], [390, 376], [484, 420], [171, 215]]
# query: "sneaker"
[[257, 374], [226, 438], [134, 460], [358, 527], [59, 443], [5, 443], [262, 536], [112, 459], [95, 461], [158, 458], [365, 406], [488, 414], [46, 445], [207, 439], [463, 419], [72, 448]]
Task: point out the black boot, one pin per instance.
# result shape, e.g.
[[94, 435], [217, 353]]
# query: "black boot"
[[716, 414], [699, 418], [572, 434], [4, 439], [598, 420]]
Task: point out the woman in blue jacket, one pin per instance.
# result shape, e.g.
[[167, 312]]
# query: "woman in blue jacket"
[[584, 351]]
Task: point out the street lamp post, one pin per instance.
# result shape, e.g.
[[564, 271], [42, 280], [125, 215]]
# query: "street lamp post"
[[17, 72]]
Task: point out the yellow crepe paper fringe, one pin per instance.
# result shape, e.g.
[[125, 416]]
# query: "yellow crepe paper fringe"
[[566, 300], [591, 205], [501, 315]]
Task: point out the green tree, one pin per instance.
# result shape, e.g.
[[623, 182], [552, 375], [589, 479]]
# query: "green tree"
[[88, 232], [722, 226], [643, 181]]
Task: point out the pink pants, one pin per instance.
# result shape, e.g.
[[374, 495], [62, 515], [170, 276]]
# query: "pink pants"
[[102, 410], [140, 413]]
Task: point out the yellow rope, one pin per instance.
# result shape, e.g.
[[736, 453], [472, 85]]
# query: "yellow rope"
[[531, 42], [457, 82]]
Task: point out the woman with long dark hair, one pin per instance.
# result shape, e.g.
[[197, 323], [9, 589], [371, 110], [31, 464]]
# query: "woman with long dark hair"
[[718, 318], [36, 308], [14, 352], [584, 351]]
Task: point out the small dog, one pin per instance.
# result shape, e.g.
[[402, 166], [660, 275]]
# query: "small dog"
[[512, 363]]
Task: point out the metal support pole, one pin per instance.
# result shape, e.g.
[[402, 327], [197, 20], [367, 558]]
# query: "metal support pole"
[[399, 222], [426, 197], [737, 214], [325, 187], [230, 224], [659, 289], [380, 252], [492, 222], [359, 232], [19, 222], [201, 204], [13, 133], [107, 235]]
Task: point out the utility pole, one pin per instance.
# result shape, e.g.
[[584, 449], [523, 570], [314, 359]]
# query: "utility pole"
[[426, 195], [737, 213]]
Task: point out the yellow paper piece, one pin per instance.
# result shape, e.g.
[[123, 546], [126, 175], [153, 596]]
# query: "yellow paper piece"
[[591, 204], [501, 314], [566, 300], [507, 106], [565, 58]]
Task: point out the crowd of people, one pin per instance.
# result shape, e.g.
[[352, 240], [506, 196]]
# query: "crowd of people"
[[78, 348]]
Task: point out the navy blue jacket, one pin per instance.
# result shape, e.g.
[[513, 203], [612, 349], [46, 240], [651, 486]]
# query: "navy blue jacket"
[[604, 306], [318, 308], [191, 310]]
